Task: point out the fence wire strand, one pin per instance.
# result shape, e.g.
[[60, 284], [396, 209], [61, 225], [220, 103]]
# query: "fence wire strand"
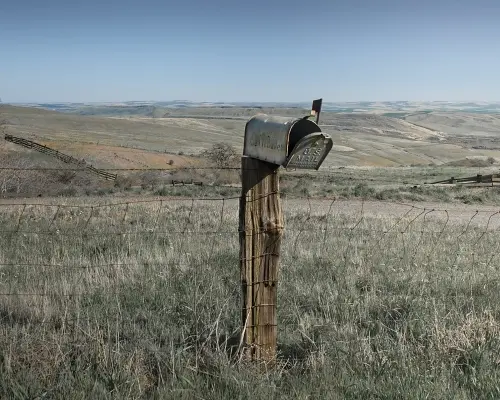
[[71, 251]]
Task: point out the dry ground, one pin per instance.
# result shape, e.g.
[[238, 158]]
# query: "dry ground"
[[484, 217]]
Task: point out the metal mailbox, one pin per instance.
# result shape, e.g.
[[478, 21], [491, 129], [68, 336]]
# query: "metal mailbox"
[[291, 143]]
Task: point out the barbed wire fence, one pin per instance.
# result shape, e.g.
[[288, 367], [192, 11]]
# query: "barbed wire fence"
[[30, 181], [47, 180], [54, 256], [117, 279], [153, 284], [127, 271]]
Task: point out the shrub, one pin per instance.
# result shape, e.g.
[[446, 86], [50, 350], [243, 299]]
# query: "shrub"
[[123, 182], [66, 176], [222, 155], [68, 191]]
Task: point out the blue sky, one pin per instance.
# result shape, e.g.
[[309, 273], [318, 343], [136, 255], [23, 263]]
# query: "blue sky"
[[274, 50]]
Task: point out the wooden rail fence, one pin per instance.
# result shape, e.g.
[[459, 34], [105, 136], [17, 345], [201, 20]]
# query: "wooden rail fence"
[[184, 183], [477, 180], [61, 156]]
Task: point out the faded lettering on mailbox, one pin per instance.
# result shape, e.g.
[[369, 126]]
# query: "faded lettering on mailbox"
[[310, 152], [266, 138], [309, 155]]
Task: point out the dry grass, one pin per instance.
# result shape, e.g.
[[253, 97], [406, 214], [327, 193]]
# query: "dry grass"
[[141, 301]]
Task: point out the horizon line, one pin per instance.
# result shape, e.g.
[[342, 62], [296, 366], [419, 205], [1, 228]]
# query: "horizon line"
[[247, 101]]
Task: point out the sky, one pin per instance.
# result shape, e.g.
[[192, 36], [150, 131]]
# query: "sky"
[[259, 51]]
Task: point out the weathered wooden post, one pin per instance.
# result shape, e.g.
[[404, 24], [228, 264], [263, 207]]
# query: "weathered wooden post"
[[270, 142], [261, 228]]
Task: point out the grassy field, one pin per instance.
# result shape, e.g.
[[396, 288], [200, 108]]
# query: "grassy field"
[[130, 289], [141, 300]]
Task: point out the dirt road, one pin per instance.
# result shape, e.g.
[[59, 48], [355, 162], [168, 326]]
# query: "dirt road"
[[450, 213]]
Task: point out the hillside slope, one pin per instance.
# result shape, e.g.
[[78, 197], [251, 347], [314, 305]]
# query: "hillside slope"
[[359, 139]]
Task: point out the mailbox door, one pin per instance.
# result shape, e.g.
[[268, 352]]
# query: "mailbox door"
[[310, 151]]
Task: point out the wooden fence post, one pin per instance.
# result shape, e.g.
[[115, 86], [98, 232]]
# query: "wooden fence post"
[[261, 229]]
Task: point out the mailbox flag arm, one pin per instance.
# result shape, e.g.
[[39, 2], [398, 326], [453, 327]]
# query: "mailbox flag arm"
[[316, 108]]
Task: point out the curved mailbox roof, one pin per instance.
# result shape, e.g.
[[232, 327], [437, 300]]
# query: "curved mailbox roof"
[[272, 139]]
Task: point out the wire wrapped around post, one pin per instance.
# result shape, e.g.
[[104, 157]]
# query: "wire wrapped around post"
[[261, 230]]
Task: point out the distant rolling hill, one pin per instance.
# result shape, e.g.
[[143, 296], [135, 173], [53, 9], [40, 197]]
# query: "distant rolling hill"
[[152, 136], [378, 107]]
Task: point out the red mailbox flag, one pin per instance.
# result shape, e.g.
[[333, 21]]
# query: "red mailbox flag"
[[316, 108]]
